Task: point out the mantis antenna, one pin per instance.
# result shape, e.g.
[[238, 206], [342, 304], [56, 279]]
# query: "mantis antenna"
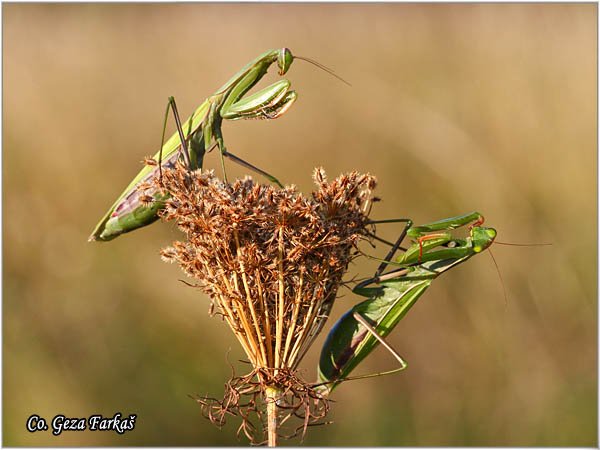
[[322, 67]]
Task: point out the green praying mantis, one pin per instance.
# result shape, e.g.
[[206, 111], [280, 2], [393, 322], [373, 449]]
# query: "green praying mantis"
[[127, 213], [362, 328]]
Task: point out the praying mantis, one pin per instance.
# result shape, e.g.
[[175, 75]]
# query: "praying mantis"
[[202, 127], [363, 327]]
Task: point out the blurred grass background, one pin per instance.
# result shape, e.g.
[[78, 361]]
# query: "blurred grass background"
[[454, 107]]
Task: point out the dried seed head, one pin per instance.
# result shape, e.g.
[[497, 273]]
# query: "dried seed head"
[[271, 258]]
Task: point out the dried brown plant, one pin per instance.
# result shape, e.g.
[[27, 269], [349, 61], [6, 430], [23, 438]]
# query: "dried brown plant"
[[272, 260]]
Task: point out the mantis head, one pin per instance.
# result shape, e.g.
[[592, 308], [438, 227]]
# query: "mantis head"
[[284, 60], [482, 238]]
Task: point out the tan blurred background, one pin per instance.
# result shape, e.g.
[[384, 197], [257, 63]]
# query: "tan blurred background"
[[454, 108]]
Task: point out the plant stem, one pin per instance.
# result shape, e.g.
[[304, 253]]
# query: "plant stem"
[[271, 397]]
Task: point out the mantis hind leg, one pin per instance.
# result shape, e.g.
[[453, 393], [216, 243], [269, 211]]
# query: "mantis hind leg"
[[403, 364], [184, 149], [381, 340]]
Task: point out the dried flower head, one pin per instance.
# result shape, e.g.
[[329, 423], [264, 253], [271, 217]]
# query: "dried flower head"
[[271, 259]]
